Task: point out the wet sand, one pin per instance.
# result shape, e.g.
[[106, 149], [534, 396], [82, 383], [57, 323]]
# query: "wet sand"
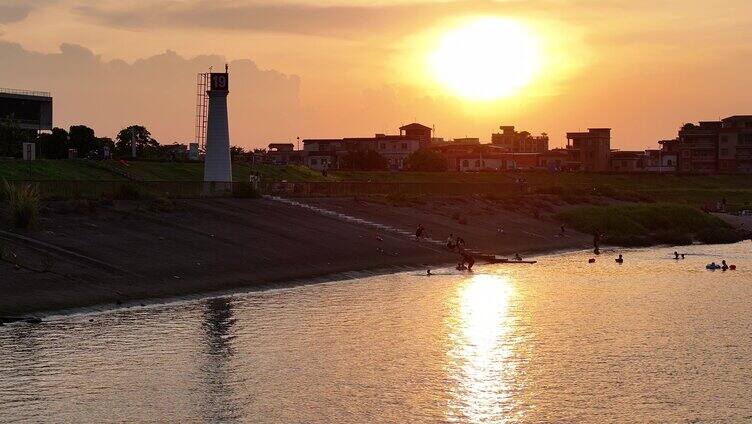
[[123, 253]]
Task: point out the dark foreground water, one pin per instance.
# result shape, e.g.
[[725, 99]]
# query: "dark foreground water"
[[653, 340]]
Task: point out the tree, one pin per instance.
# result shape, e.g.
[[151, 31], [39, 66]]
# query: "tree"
[[236, 153], [12, 138], [54, 145], [364, 160], [145, 144], [688, 126], [426, 160], [82, 138], [101, 143]]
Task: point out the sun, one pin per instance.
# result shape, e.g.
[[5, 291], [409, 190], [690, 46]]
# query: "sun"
[[486, 59]]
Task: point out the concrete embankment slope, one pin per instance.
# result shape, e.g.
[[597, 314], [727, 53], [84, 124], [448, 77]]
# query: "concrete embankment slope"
[[114, 255], [121, 253]]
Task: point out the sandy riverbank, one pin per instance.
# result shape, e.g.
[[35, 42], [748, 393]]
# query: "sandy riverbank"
[[124, 253]]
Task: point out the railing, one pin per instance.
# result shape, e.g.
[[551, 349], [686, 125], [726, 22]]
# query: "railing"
[[25, 92]]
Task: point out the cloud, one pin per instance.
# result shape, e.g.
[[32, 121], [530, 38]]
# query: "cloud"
[[158, 91], [342, 20], [12, 11]]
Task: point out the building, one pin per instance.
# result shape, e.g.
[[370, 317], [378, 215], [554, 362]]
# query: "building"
[[559, 160], [284, 154], [735, 144], [628, 161], [697, 147], [455, 153], [322, 154], [723, 146], [395, 149], [519, 142], [484, 157], [466, 140], [418, 132], [29, 110], [328, 153], [500, 161], [592, 149], [663, 159]]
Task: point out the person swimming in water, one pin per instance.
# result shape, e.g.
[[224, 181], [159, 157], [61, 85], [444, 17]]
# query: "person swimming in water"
[[620, 259]]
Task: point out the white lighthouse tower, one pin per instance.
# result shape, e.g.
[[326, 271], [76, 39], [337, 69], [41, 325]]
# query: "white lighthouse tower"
[[217, 164]]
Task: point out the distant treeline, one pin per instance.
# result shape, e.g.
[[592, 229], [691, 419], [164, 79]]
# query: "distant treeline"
[[58, 143]]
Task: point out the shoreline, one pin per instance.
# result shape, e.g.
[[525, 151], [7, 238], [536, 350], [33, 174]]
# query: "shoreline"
[[340, 277], [125, 256]]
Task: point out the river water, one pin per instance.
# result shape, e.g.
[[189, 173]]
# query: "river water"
[[652, 340]]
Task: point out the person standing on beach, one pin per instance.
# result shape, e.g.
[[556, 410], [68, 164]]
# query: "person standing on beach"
[[450, 242], [596, 242], [419, 232], [465, 258]]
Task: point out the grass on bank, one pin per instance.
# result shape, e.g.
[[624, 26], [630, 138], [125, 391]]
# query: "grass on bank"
[[45, 169], [194, 171], [571, 187], [21, 204], [111, 170], [648, 224]]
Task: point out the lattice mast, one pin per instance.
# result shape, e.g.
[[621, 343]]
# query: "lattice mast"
[[202, 107]]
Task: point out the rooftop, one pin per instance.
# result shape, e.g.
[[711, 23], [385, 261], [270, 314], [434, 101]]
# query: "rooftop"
[[737, 118], [415, 126], [25, 92]]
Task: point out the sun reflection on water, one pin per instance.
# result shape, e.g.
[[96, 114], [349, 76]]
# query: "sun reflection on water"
[[483, 374]]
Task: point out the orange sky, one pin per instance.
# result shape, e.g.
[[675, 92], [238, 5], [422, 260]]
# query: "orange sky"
[[345, 68]]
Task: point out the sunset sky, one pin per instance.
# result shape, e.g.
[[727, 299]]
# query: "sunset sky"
[[335, 68]]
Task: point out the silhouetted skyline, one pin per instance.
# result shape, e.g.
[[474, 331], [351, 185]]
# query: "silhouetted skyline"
[[338, 67]]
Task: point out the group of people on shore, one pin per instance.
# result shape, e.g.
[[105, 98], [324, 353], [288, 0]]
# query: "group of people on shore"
[[453, 243], [466, 258]]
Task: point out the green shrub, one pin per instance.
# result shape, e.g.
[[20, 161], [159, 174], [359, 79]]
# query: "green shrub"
[[719, 236], [642, 224], [426, 160], [672, 238], [23, 204], [628, 240]]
